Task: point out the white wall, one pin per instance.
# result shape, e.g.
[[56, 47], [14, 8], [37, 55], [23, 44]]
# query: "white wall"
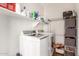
[[77, 10], [54, 10], [10, 28], [57, 27], [4, 33], [16, 26]]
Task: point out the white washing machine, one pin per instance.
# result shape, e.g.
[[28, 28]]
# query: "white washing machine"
[[35, 45]]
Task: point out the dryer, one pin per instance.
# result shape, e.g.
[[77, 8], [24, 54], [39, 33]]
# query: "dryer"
[[35, 44]]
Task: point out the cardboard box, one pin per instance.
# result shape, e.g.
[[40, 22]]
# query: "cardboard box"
[[12, 6]]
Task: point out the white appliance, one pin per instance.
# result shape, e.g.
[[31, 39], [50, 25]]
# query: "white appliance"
[[35, 45]]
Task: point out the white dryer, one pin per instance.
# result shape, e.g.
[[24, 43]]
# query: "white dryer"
[[35, 45]]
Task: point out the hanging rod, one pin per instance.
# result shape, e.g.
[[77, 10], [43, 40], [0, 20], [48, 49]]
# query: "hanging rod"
[[55, 19]]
